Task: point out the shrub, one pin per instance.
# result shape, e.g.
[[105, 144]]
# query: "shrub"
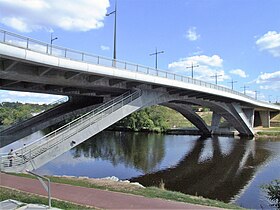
[[273, 192]]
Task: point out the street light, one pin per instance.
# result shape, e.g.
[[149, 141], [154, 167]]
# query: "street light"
[[216, 77], [269, 98], [232, 83], [192, 66], [256, 94], [115, 29], [156, 53], [245, 88], [52, 39]]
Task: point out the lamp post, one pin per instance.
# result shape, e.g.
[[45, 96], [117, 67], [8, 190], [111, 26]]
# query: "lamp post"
[[256, 94], [245, 88], [216, 77], [115, 29], [232, 83], [192, 66], [52, 39], [269, 98], [156, 53]]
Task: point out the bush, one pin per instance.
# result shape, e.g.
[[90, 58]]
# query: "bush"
[[273, 192]]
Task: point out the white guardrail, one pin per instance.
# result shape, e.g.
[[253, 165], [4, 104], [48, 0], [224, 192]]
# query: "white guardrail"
[[41, 47], [34, 149]]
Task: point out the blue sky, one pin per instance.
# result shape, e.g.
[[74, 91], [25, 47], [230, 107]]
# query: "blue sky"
[[238, 39]]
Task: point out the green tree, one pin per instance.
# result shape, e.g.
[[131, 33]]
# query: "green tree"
[[13, 112]]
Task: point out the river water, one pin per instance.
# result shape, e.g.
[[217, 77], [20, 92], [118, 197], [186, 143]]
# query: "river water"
[[224, 168]]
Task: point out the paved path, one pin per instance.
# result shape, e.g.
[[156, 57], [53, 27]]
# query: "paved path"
[[93, 197]]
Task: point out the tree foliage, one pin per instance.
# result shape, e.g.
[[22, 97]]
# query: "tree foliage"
[[273, 192], [13, 112], [155, 118]]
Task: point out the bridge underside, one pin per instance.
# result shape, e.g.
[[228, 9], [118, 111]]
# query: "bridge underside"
[[242, 119], [86, 90]]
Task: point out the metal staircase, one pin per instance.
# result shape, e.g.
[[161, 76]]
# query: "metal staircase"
[[50, 146]]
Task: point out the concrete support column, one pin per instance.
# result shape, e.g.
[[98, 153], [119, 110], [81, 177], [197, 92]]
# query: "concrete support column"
[[250, 115], [216, 118], [239, 119], [265, 118]]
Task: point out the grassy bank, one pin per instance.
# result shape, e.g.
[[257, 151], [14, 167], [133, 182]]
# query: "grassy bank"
[[151, 192], [24, 197], [272, 132]]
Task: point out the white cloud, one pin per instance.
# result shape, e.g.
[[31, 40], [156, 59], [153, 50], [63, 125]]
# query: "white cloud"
[[192, 35], [104, 48], [256, 95], [30, 15], [213, 61], [269, 81], [239, 72], [270, 42], [209, 66]]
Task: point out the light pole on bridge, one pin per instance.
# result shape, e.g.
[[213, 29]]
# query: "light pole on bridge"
[[232, 82], [245, 88], [156, 54], [216, 77], [191, 67], [115, 30], [52, 39], [269, 99], [256, 94]]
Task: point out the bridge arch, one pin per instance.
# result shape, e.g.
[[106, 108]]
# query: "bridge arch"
[[192, 116], [240, 118]]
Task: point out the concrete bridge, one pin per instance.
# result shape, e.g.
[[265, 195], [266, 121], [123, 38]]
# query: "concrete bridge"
[[107, 90]]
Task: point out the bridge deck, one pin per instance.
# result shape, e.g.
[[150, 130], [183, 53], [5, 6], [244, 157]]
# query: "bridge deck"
[[31, 65]]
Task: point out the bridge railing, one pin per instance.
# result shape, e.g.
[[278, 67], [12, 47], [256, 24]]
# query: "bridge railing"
[[38, 46]]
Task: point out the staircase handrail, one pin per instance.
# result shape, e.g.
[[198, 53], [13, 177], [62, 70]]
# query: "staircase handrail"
[[28, 152], [34, 143]]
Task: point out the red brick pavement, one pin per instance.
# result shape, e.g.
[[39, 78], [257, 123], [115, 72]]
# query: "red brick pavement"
[[93, 197]]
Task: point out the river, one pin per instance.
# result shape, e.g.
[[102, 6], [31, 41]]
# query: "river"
[[224, 168]]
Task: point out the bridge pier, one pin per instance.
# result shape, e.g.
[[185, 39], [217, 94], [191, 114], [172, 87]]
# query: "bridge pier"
[[216, 119], [265, 118], [240, 120]]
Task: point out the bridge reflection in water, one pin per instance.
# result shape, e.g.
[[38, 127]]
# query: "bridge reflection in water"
[[129, 149], [217, 168]]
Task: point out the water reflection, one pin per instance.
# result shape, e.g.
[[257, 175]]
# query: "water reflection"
[[125, 148], [219, 176], [219, 167]]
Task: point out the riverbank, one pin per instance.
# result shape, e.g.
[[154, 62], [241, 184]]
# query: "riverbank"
[[135, 189], [260, 132], [271, 133]]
